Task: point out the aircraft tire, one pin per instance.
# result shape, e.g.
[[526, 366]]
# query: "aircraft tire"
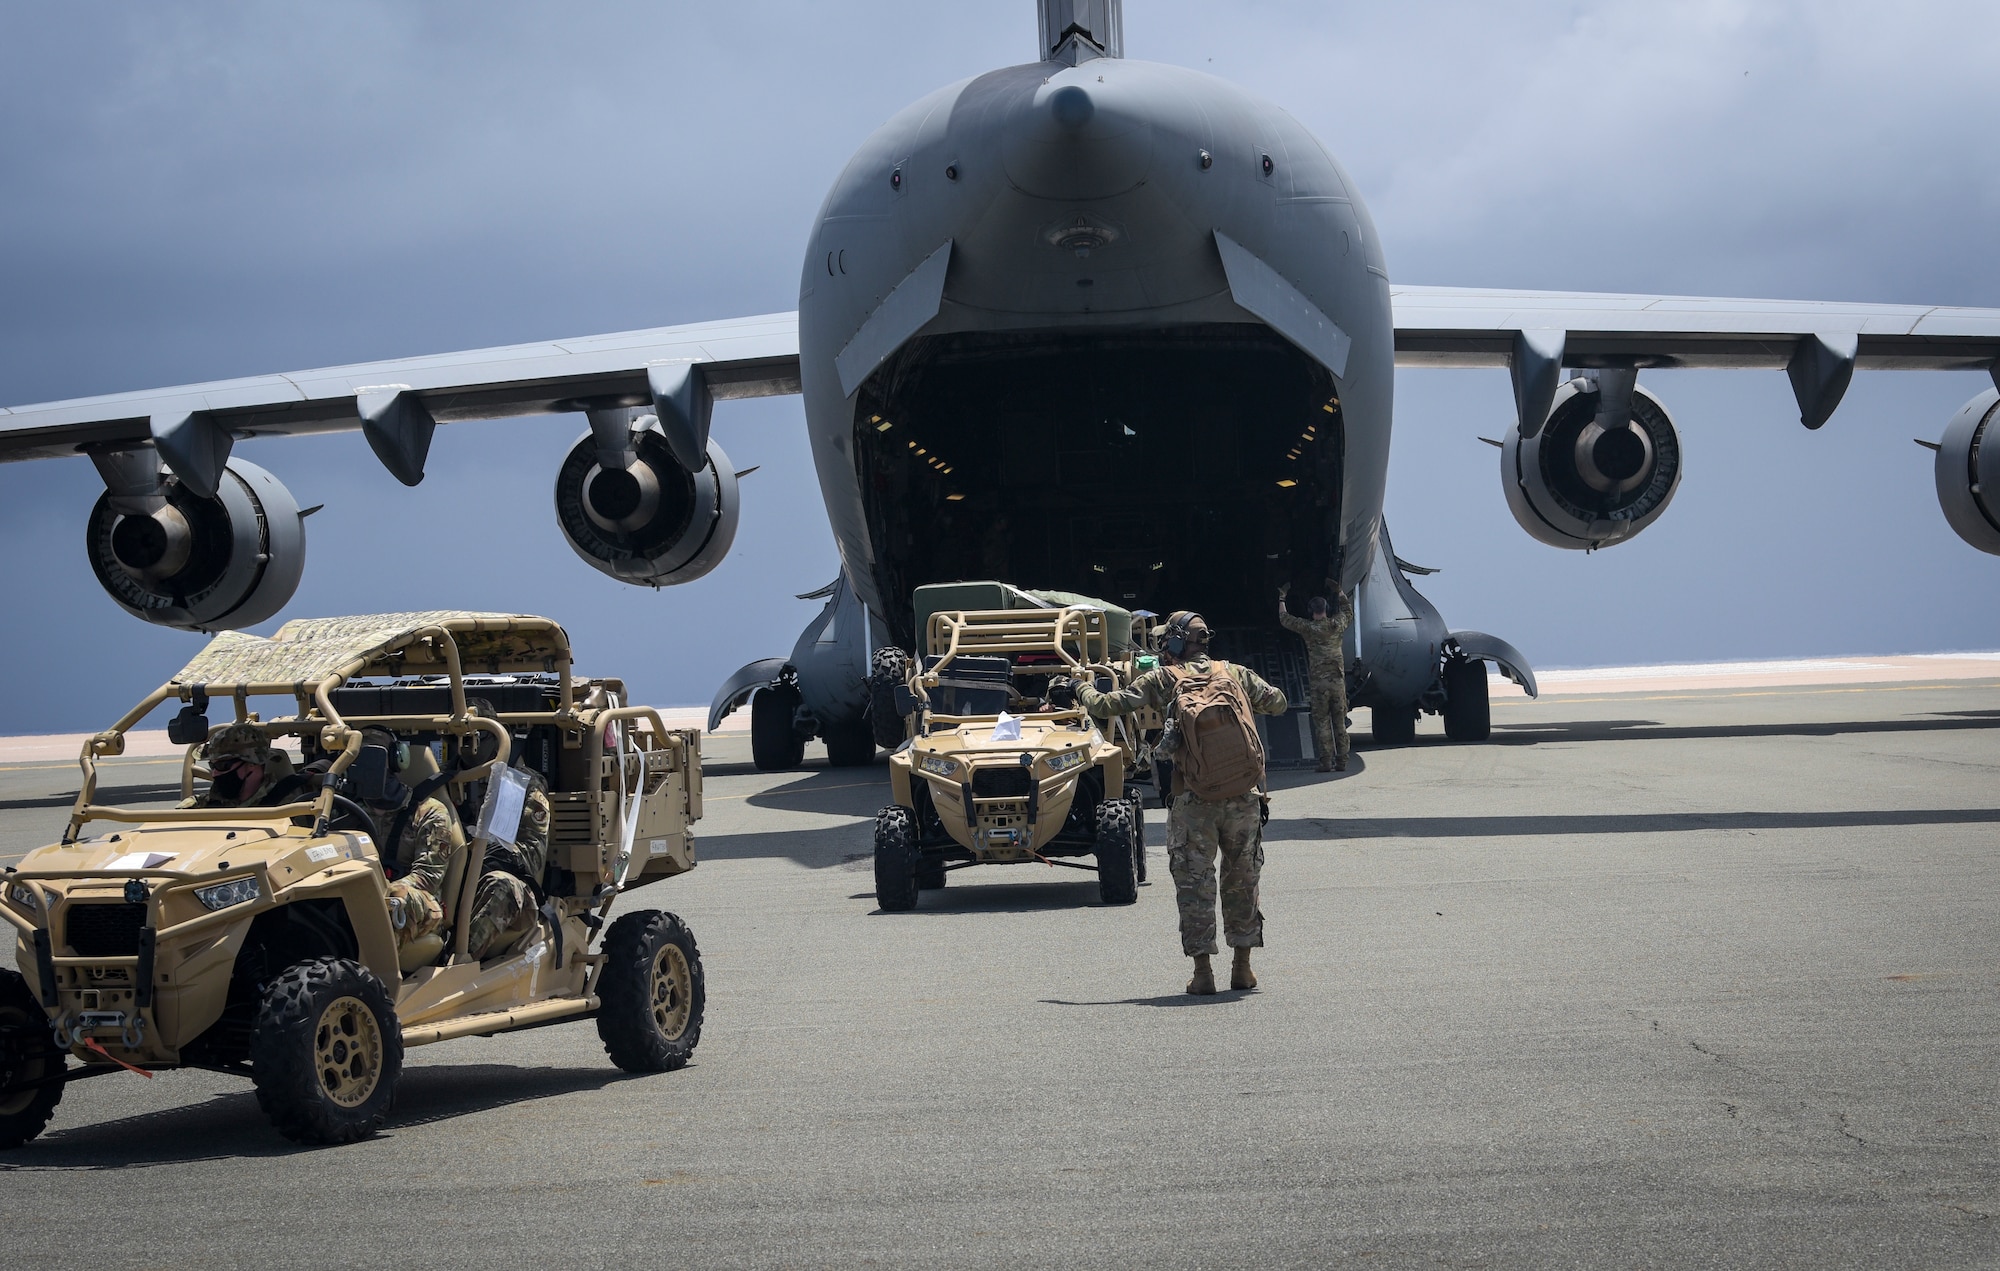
[[1117, 853], [653, 992], [851, 745], [888, 668], [27, 1053], [896, 859], [774, 744], [1393, 725], [1468, 713], [326, 1052]]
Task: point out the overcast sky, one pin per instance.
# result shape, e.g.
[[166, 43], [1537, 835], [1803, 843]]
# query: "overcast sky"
[[198, 191]]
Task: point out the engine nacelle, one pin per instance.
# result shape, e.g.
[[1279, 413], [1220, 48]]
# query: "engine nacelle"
[[203, 564], [651, 522], [1576, 484], [1968, 473]]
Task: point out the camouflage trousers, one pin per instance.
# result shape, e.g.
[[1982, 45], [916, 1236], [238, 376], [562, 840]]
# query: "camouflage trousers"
[[1197, 832], [503, 910], [413, 912], [1327, 693]]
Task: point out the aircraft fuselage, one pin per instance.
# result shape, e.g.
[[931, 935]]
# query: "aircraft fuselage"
[[1090, 407]]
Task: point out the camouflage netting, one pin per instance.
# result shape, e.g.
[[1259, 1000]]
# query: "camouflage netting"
[[307, 650]]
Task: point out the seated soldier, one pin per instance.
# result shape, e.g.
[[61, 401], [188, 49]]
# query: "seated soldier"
[[420, 838], [503, 906], [244, 768]]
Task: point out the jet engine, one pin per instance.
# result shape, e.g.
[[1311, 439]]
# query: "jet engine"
[[201, 564], [1968, 473], [634, 512], [1599, 471]]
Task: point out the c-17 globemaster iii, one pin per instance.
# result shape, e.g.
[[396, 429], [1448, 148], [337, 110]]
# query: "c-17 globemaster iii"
[[1086, 323]]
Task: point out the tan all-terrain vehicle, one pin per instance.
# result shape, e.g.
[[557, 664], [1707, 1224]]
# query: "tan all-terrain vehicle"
[[1002, 766], [260, 939]]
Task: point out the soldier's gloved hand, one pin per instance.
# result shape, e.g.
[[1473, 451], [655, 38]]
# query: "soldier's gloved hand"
[[1284, 589]]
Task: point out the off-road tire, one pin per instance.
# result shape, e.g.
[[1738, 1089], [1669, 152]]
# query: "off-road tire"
[[1393, 725], [27, 1053], [888, 667], [850, 745], [1138, 802], [896, 859], [930, 873], [651, 993], [774, 744], [1117, 853], [326, 1052], [1468, 713]]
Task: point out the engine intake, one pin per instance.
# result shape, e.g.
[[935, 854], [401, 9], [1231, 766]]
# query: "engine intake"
[[649, 522], [1968, 473], [202, 564], [1589, 479]]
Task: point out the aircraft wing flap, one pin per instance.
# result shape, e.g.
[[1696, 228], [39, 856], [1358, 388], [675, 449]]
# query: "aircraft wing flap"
[[1474, 327], [745, 357]]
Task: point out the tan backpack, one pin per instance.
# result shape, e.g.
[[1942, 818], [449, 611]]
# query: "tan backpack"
[[1220, 754]]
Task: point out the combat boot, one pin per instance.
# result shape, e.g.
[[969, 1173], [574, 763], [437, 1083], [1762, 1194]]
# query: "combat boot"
[[1324, 766], [1240, 975], [1340, 764], [1203, 982]]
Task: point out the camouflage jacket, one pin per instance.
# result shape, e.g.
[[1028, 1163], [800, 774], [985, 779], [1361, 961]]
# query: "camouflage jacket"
[[423, 853], [1156, 689], [1322, 635]]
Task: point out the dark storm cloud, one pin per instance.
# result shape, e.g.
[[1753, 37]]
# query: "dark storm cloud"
[[211, 190]]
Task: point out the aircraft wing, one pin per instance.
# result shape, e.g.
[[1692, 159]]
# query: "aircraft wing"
[[1821, 342], [739, 357], [1535, 334], [1472, 326]]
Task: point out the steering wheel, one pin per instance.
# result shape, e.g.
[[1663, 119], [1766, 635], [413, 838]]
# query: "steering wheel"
[[348, 814]]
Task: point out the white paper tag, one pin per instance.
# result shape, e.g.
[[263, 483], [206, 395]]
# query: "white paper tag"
[[1006, 728], [324, 852], [141, 860], [658, 847], [506, 796]]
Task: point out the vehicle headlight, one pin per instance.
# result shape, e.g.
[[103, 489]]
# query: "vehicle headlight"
[[24, 896], [234, 892], [1063, 761], [938, 766]]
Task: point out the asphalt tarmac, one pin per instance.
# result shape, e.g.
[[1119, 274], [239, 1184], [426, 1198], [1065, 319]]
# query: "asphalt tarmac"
[[1685, 979]]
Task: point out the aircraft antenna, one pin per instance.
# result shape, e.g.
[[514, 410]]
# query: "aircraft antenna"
[[1075, 31]]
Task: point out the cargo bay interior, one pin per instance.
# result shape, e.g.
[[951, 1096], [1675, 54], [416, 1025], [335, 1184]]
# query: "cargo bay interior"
[[1198, 468]]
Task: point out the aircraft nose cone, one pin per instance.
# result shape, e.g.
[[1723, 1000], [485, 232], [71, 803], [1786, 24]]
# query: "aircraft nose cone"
[[1072, 142]]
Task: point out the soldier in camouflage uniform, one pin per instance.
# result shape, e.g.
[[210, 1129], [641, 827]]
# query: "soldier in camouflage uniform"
[[243, 768], [420, 858], [506, 899], [1198, 830], [1328, 674], [503, 907]]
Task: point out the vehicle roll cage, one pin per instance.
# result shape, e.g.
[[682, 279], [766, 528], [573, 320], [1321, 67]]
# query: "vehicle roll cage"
[[1074, 633], [438, 644]]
